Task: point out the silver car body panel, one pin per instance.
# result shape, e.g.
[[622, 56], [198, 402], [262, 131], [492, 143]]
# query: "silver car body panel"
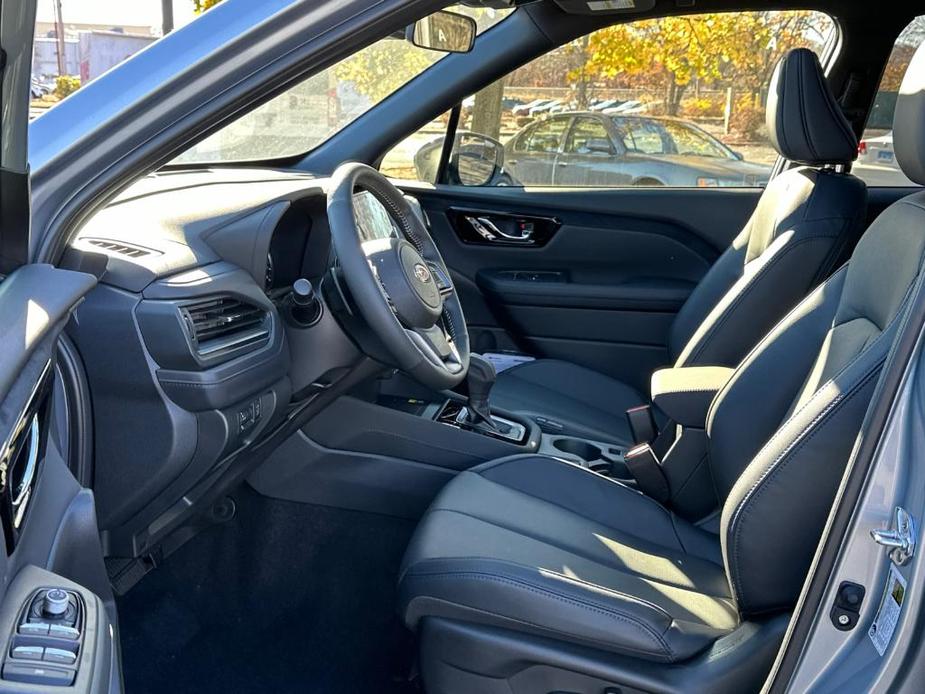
[[834, 660]]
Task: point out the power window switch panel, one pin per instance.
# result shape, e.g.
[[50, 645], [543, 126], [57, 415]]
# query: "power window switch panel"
[[33, 629], [63, 632], [59, 655], [34, 674], [28, 652]]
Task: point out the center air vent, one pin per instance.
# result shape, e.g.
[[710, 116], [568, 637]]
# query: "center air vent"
[[222, 324], [122, 248]]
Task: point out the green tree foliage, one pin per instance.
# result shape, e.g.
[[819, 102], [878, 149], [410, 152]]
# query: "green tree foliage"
[[380, 69]]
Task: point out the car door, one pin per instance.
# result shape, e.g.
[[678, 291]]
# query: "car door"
[[57, 616]]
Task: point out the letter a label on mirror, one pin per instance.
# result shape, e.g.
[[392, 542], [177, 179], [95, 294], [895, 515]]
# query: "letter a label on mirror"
[[881, 631]]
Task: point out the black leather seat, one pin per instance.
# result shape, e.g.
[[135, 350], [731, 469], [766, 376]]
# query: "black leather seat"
[[533, 575], [798, 233]]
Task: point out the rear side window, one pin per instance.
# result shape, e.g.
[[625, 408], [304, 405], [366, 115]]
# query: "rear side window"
[[876, 164], [588, 136]]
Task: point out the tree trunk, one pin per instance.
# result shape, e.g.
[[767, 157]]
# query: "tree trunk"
[[486, 111], [673, 94]]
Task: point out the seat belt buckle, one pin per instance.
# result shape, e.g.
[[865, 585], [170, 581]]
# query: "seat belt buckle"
[[642, 424], [646, 469]]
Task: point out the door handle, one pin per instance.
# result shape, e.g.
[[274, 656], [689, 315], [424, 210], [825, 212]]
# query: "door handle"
[[490, 231]]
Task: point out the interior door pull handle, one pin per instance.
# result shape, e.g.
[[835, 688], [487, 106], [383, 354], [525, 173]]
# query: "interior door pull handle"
[[490, 231]]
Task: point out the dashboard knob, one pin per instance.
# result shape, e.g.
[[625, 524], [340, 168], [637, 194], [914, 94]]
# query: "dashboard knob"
[[55, 603], [303, 305], [303, 293]]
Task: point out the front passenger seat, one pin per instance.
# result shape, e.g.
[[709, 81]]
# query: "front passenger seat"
[[804, 224], [529, 574]]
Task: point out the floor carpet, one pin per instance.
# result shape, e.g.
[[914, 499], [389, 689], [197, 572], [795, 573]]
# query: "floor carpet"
[[285, 597]]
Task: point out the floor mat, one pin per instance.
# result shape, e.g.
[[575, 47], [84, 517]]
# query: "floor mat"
[[285, 597]]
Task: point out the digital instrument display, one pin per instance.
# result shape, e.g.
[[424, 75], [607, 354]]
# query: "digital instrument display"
[[373, 220]]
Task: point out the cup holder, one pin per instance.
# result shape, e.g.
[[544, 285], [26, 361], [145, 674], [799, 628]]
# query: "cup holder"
[[583, 449]]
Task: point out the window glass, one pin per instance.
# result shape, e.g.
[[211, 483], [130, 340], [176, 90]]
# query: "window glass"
[[588, 135], [546, 138], [644, 136], [693, 142], [309, 113], [686, 97], [876, 164]]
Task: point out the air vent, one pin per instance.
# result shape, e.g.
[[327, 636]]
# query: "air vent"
[[122, 248], [223, 324]]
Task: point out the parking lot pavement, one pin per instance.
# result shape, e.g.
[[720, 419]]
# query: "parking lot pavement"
[[874, 175]]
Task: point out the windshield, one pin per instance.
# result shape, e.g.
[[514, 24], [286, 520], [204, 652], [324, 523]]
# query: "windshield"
[[306, 115]]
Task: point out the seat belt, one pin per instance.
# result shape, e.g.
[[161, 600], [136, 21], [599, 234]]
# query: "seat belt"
[[646, 469]]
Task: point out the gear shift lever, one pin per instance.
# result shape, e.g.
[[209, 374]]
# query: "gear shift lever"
[[480, 379]]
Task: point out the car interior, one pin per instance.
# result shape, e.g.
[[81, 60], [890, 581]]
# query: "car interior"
[[348, 432]]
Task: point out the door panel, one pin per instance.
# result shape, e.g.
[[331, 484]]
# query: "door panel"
[[604, 289], [50, 538]]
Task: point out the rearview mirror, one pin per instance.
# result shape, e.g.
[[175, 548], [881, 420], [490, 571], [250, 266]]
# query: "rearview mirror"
[[443, 31]]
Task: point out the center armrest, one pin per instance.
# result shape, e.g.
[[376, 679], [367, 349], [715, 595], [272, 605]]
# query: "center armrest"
[[685, 394]]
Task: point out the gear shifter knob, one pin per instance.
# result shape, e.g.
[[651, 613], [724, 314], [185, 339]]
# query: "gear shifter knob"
[[480, 379]]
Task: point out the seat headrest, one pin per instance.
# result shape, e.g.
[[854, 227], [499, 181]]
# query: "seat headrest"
[[805, 123], [909, 120]]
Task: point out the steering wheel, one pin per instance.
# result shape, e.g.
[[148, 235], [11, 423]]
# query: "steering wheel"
[[397, 278]]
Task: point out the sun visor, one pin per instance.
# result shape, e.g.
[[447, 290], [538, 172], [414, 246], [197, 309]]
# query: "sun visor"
[[605, 6]]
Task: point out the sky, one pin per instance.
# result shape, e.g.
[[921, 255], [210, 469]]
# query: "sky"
[[116, 12]]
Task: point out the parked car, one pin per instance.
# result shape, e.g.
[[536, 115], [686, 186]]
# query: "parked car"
[[544, 107], [588, 148], [878, 151], [633, 106], [38, 89], [601, 104], [524, 109]]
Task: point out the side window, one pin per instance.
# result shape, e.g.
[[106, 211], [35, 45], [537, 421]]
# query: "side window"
[[588, 136], [546, 138], [645, 136], [876, 164], [690, 141], [678, 91], [417, 157]]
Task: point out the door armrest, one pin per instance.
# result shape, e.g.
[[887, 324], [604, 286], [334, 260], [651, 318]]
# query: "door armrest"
[[685, 394]]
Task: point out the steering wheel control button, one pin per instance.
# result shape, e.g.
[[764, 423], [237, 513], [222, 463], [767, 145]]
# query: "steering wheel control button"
[[59, 655], [34, 674], [28, 652], [33, 629]]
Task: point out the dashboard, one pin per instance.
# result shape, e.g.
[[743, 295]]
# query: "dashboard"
[[194, 365]]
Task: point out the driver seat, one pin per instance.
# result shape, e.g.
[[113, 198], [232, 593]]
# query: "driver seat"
[[805, 223], [529, 574]]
